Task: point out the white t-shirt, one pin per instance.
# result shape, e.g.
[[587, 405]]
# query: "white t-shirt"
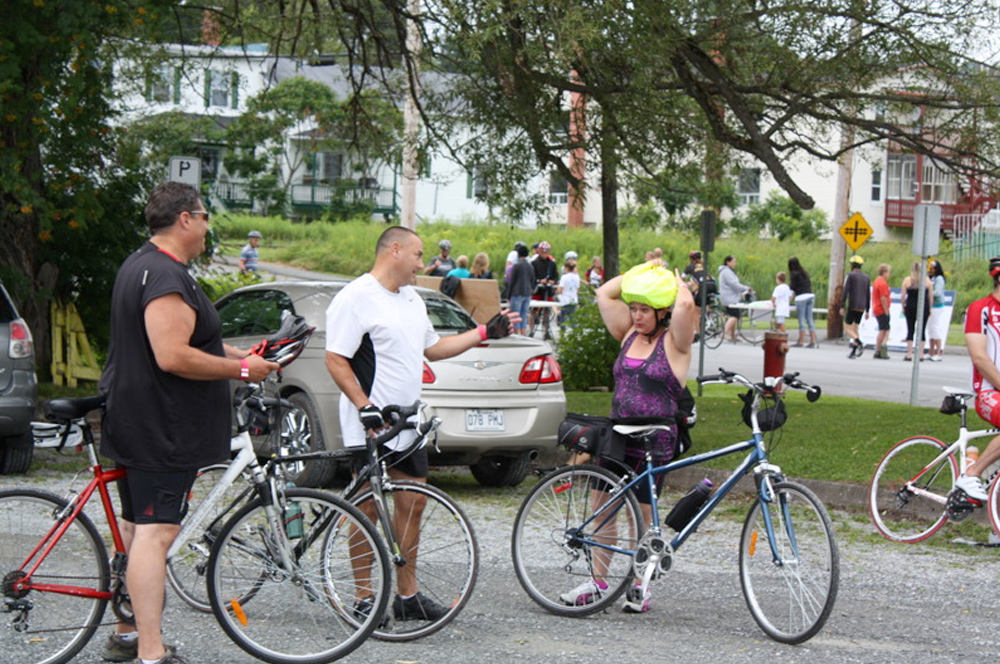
[[569, 282], [782, 295], [390, 358]]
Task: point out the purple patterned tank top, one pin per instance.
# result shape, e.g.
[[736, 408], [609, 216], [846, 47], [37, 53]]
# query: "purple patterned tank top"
[[647, 389]]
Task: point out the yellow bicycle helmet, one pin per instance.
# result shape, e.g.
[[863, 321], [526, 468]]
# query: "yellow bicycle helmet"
[[649, 284]]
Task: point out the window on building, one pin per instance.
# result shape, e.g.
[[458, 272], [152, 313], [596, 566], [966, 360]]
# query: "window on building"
[[161, 84], [222, 88], [209, 162], [748, 186], [901, 176], [558, 189], [475, 185], [937, 185], [876, 185]]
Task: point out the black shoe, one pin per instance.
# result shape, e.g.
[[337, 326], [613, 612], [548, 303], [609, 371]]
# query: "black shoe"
[[363, 607], [418, 607], [854, 350], [861, 349]]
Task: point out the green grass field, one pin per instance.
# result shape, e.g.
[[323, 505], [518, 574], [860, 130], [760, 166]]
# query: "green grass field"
[[836, 438]]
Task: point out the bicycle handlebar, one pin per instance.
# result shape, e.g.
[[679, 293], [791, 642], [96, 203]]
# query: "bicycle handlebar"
[[791, 380], [399, 418]]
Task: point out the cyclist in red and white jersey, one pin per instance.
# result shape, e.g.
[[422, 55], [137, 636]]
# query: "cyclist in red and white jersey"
[[982, 339]]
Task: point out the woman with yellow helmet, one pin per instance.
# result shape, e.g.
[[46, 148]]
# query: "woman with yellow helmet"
[[650, 311]]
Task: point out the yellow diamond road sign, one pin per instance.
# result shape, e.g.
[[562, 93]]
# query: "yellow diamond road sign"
[[856, 231]]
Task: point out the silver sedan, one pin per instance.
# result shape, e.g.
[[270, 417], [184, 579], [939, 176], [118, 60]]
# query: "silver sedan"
[[500, 403]]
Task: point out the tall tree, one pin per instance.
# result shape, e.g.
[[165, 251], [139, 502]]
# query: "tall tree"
[[67, 201]]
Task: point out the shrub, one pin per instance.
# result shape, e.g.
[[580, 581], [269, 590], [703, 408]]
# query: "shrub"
[[586, 351], [215, 286]]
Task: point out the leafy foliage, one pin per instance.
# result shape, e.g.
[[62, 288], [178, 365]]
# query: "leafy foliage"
[[68, 193], [780, 217], [586, 351]]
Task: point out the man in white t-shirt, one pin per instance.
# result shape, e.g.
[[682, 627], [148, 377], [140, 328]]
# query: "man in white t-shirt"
[[377, 336]]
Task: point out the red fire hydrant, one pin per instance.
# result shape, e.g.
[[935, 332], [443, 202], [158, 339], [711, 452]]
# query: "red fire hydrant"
[[775, 349]]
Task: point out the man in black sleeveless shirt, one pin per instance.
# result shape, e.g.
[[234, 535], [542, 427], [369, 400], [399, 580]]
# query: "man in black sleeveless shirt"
[[168, 413]]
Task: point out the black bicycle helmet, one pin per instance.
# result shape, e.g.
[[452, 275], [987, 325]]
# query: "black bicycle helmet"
[[285, 345], [995, 267]]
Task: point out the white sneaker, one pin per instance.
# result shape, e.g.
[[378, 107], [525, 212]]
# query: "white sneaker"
[[973, 487], [587, 592], [636, 601]]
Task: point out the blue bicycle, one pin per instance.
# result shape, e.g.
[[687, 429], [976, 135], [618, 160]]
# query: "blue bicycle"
[[582, 526]]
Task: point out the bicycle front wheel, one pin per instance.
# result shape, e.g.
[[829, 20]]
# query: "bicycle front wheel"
[[791, 572], [909, 490], [42, 626], [439, 555], [715, 324], [561, 559], [187, 569], [303, 610]]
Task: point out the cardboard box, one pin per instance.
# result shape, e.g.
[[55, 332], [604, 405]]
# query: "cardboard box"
[[480, 297]]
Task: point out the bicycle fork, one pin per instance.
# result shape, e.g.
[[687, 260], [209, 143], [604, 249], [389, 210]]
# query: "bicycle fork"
[[766, 494]]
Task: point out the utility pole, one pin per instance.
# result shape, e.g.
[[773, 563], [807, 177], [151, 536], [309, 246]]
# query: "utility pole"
[[411, 121], [838, 247]]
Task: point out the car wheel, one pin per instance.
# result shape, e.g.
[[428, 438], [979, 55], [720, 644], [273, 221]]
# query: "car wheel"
[[15, 453], [301, 433], [498, 470]]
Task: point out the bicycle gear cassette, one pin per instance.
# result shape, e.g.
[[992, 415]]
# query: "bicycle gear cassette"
[[653, 551]]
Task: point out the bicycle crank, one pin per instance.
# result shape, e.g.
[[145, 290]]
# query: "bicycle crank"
[[959, 505], [653, 552]]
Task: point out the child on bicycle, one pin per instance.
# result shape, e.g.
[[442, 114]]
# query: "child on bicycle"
[[650, 311], [982, 339]]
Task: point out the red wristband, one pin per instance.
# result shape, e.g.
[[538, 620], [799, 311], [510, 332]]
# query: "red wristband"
[[482, 332], [244, 369]]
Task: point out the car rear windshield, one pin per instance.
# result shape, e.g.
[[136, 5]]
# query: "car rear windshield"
[[7, 310], [448, 317]]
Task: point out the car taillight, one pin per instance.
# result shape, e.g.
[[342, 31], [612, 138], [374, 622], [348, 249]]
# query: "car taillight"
[[20, 340], [429, 376], [541, 369]]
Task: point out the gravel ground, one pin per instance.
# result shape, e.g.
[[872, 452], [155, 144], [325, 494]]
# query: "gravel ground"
[[914, 604]]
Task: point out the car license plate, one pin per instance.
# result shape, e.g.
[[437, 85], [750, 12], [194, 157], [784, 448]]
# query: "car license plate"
[[479, 419]]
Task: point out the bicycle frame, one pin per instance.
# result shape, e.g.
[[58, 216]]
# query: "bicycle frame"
[[757, 456], [245, 458], [960, 446], [73, 509]]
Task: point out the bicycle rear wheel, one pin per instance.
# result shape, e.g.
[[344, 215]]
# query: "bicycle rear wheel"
[[438, 548], [187, 569], [715, 323], [555, 553], [302, 613], [58, 625], [789, 582], [908, 493]]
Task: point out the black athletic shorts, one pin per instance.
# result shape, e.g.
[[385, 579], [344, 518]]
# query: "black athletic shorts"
[[155, 496], [853, 317], [414, 465], [734, 312], [883, 322]]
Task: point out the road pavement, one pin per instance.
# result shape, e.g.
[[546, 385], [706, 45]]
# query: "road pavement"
[[865, 377]]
